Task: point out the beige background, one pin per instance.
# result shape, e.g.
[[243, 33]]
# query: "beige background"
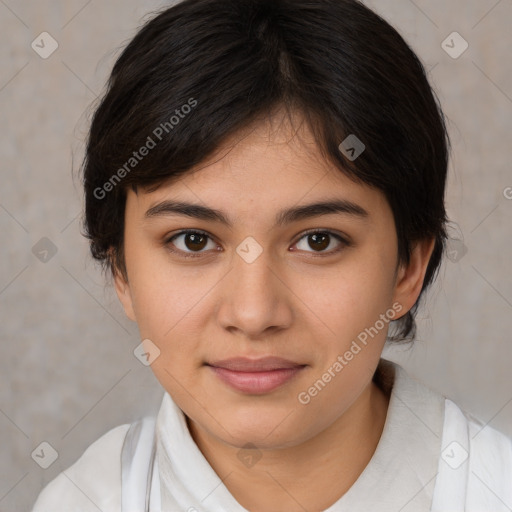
[[67, 368]]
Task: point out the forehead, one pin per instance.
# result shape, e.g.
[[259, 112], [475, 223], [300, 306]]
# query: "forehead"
[[269, 164]]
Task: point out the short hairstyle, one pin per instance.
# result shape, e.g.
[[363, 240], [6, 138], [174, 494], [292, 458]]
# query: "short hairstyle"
[[201, 70]]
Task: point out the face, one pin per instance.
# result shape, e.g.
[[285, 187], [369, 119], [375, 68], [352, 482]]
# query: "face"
[[251, 269]]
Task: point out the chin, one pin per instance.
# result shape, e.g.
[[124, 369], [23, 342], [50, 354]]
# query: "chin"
[[262, 431]]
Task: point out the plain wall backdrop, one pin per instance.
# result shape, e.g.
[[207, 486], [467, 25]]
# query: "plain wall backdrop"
[[68, 372]]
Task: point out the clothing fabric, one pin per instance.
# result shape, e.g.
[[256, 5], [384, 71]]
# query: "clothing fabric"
[[431, 457]]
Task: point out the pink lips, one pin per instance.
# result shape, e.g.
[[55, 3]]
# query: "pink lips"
[[255, 376]]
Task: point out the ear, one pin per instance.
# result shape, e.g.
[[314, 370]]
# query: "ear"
[[124, 294], [409, 280]]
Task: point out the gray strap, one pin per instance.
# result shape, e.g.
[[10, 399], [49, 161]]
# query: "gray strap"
[[137, 460], [451, 483]]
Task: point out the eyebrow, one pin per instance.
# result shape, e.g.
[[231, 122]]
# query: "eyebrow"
[[286, 216]]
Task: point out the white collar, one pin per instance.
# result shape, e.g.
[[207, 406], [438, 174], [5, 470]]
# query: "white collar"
[[402, 468]]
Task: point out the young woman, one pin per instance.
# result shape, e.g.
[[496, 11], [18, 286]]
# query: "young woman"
[[265, 180]]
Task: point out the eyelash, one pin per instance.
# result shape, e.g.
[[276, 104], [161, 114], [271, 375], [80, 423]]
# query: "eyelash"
[[168, 242]]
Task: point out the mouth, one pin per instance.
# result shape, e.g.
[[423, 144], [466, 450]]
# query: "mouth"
[[255, 376]]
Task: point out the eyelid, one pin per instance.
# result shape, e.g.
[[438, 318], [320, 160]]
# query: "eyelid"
[[345, 241], [168, 242]]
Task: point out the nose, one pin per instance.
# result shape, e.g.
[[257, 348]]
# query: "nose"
[[255, 298]]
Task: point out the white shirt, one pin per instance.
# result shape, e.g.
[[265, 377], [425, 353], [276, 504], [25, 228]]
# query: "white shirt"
[[401, 476]]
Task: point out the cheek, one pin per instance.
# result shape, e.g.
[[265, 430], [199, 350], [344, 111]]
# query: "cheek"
[[349, 298], [160, 292], [172, 304]]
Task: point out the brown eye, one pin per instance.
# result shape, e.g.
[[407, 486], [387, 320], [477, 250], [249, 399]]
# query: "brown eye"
[[320, 241], [195, 241], [190, 242]]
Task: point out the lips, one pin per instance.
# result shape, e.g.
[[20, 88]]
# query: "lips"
[[255, 376], [264, 364]]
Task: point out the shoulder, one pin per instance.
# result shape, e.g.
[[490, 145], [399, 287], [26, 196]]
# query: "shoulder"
[[484, 438], [491, 449], [483, 441], [93, 482], [489, 472]]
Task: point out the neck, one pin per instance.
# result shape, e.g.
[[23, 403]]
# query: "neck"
[[312, 475]]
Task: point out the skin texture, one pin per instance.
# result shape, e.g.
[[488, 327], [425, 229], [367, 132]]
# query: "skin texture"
[[293, 301]]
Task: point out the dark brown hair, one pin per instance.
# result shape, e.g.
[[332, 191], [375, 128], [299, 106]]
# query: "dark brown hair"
[[201, 70]]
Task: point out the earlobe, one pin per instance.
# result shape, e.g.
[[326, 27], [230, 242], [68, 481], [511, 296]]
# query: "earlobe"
[[409, 281], [124, 294]]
